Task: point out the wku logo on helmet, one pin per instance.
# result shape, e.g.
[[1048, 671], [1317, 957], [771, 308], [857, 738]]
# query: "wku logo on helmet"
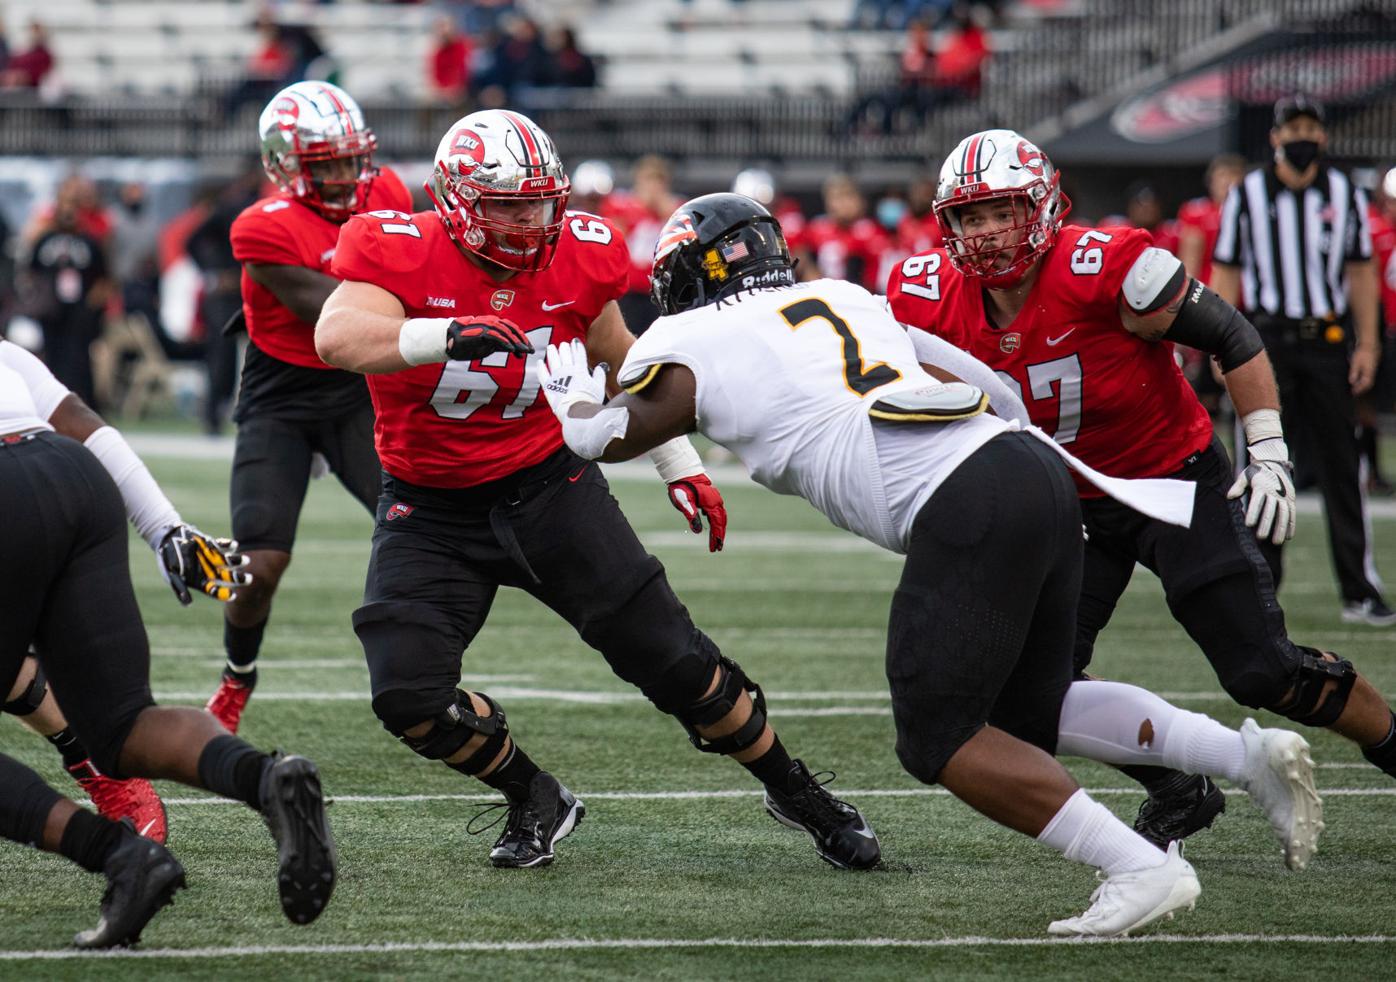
[[1030, 157], [675, 234], [287, 112]]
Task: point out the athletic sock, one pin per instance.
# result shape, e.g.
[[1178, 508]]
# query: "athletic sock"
[[74, 753], [1383, 754], [1198, 744], [234, 769], [242, 645], [1087, 832], [775, 769], [89, 839], [511, 777]]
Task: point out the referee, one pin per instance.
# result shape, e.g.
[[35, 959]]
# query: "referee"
[[1294, 247]]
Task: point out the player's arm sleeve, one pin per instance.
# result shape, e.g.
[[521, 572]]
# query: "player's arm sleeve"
[[256, 238], [931, 350], [46, 391]]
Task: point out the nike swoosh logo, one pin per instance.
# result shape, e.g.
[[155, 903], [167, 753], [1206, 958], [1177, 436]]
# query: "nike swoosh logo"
[[577, 476], [866, 832], [1056, 341], [147, 828], [554, 306]]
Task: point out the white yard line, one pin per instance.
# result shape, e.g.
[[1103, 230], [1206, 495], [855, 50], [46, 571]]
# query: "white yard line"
[[631, 944]]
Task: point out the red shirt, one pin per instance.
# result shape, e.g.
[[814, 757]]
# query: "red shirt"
[[450, 66], [459, 424], [281, 231], [1202, 214], [1384, 255], [837, 249], [1118, 402], [641, 227]]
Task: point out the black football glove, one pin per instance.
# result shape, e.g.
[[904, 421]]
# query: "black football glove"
[[469, 338], [190, 560]]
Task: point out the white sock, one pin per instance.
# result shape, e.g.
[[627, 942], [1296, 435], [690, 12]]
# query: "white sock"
[[241, 669], [1087, 832], [1124, 724]]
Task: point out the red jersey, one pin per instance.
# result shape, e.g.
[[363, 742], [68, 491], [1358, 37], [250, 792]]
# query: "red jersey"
[[641, 227], [281, 231], [847, 252], [463, 423], [1384, 255], [1204, 215], [1118, 402]]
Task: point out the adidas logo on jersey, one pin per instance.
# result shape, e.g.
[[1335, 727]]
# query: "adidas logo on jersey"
[[445, 302]]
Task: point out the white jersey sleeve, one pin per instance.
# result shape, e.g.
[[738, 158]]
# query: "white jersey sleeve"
[[29, 393]]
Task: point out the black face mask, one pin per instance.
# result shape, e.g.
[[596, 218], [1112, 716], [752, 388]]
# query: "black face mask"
[[1300, 153]]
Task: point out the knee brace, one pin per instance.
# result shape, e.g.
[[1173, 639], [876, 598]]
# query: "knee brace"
[[31, 698], [674, 694], [1307, 703], [451, 728]]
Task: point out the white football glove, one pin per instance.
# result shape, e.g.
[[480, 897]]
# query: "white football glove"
[[1271, 511], [566, 379]]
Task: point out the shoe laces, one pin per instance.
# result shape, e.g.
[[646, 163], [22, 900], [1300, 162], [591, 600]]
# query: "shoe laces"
[[817, 802], [471, 828]]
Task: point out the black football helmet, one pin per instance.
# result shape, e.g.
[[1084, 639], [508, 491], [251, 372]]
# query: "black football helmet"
[[715, 246]]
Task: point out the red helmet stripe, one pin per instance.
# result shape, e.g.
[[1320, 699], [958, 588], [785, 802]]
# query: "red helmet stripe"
[[970, 166], [339, 107], [535, 157]]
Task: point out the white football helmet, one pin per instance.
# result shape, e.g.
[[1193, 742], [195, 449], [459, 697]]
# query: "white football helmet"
[[500, 188], [990, 165], [315, 145]]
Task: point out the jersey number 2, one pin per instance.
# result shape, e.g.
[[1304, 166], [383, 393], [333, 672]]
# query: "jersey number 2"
[[861, 379]]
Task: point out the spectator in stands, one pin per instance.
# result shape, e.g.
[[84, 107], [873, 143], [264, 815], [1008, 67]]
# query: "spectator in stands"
[[918, 229], [641, 214], [67, 290], [81, 193], [270, 66], [957, 74], [843, 243], [29, 68], [569, 66], [758, 184], [896, 15], [476, 18], [135, 263], [1199, 218], [448, 65], [517, 63], [1144, 209]]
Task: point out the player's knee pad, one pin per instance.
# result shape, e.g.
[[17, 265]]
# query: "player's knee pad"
[[451, 727], [679, 694], [28, 701], [1305, 701]]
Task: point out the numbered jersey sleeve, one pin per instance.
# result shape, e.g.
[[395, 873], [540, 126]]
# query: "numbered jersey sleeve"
[[385, 248], [921, 292], [267, 233], [1089, 266], [602, 256]]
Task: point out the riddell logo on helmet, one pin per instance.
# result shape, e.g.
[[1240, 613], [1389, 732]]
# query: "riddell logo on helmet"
[[772, 277], [501, 299]]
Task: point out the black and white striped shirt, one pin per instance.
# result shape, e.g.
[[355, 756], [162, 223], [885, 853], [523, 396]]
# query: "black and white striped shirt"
[[1292, 245]]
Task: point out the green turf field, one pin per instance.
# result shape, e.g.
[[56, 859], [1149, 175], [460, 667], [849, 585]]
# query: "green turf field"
[[677, 872]]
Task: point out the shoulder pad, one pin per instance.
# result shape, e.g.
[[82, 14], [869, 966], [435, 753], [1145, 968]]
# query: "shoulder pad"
[[1153, 280], [638, 377]]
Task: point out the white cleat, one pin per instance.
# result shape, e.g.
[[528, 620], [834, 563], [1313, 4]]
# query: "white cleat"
[[1126, 902], [1280, 780]]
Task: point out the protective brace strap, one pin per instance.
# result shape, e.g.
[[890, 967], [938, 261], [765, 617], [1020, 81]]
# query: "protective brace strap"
[[31, 698], [675, 459], [1208, 323], [1314, 673], [713, 708], [1154, 281], [589, 437], [453, 727], [422, 340], [146, 505]]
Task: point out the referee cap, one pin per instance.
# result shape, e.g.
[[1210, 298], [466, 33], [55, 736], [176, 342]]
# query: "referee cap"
[[1294, 106]]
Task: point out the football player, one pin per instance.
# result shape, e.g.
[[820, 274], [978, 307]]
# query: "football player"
[[1081, 323], [295, 414], [65, 589], [447, 311], [822, 394]]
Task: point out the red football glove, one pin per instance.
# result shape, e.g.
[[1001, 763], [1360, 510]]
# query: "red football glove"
[[696, 498], [475, 337]]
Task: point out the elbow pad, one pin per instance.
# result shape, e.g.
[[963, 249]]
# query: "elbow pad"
[[1208, 323]]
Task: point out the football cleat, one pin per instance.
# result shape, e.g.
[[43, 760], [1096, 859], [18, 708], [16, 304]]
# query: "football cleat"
[[228, 702], [536, 824], [841, 835], [294, 808], [142, 877], [134, 798], [1178, 813], [1280, 780], [1126, 902]]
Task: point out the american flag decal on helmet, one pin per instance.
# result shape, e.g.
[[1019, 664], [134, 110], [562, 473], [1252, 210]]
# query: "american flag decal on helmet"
[[734, 251], [675, 234]]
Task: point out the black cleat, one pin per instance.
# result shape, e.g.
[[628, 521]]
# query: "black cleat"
[[1178, 813], [294, 808], [142, 876], [842, 837], [536, 824]]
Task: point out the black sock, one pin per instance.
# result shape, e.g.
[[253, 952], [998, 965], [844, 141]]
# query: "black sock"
[[513, 776], [69, 746], [1383, 754], [89, 839], [242, 645], [774, 768], [233, 769], [1156, 780]]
